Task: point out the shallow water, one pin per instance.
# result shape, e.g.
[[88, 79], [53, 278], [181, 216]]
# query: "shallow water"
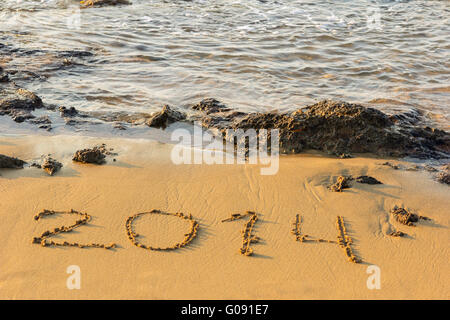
[[253, 55]]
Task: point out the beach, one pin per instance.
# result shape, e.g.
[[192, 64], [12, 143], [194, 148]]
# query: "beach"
[[143, 178], [224, 150]]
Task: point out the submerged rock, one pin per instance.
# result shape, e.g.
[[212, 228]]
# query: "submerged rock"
[[444, 175], [102, 3], [4, 77], [10, 163], [164, 117], [68, 112], [18, 98], [43, 122], [210, 105]]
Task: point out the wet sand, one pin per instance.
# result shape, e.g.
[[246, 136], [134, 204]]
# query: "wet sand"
[[210, 266]]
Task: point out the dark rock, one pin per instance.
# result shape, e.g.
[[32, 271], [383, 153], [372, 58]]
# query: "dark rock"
[[18, 103], [165, 117], [430, 168], [443, 177], [404, 216], [19, 99], [339, 128], [390, 164], [51, 166], [119, 126], [11, 163], [20, 115], [102, 3], [343, 182], [367, 180], [210, 105], [68, 112], [95, 155], [397, 234], [4, 77], [41, 120]]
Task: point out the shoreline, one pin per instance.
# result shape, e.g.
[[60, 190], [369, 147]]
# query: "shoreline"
[[143, 178]]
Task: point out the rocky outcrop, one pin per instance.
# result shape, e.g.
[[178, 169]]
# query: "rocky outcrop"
[[3, 76], [10, 163], [67, 112], [367, 180], [340, 128], [18, 103], [164, 117], [95, 155], [51, 166]]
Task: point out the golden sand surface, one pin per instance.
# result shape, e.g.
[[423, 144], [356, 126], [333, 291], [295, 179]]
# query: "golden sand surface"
[[204, 259]]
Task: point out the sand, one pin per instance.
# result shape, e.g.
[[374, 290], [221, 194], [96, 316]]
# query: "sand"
[[211, 267]]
